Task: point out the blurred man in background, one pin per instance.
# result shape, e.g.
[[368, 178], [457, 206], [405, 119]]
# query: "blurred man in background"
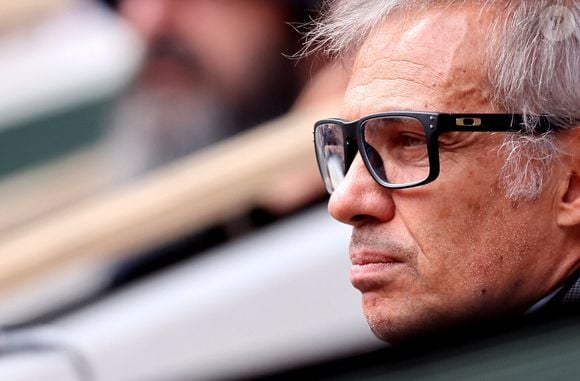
[[212, 68]]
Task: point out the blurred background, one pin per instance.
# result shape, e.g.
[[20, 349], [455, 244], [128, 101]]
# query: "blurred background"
[[161, 214]]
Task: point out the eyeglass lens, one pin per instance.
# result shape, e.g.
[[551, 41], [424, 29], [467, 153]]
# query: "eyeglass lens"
[[395, 149], [330, 151]]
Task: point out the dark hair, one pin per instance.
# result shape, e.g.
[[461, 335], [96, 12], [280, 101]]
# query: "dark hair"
[[298, 6]]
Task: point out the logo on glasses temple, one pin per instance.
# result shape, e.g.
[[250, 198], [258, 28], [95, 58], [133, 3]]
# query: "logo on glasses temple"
[[468, 122]]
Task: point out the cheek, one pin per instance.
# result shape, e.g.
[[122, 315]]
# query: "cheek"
[[482, 253], [461, 237]]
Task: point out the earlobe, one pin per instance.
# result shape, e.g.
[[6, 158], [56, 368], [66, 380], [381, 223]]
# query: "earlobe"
[[569, 208]]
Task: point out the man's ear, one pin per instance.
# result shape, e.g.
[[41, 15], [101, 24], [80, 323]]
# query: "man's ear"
[[569, 211], [569, 203]]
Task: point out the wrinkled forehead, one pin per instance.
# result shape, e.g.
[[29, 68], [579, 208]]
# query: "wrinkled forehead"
[[423, 61]]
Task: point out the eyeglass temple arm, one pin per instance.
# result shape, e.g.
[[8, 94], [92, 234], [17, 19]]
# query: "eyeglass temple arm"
[[490, 123]]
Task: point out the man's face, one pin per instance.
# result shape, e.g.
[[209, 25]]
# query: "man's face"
[[221, 45], [213, 68], [455, 249]]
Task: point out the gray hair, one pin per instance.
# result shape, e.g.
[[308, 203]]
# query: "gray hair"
[[533, 67]]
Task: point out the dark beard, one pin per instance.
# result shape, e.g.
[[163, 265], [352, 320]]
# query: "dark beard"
[[152, 128]]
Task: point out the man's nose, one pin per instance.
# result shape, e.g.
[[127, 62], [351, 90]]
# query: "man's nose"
[[149, 17], [360, 199]]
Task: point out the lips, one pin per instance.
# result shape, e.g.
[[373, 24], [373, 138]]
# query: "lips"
[[371, 270], [363, 258]]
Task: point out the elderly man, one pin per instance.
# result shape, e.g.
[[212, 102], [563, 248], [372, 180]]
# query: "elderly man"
[[456, 159]]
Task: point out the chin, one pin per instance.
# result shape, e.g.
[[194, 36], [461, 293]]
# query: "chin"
[[397, 334], [411, 326], [390, 328], [399, 325]]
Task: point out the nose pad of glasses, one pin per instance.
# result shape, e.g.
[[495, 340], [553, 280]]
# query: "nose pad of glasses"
[[375, 161], [350, 151]]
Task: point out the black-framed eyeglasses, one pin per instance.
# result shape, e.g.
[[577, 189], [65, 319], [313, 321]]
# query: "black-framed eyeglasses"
[[399, 149]]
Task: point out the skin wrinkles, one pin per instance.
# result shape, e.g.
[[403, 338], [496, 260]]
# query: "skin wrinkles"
[[406, 68], [427, 60], [459, 146], [463, 250]]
